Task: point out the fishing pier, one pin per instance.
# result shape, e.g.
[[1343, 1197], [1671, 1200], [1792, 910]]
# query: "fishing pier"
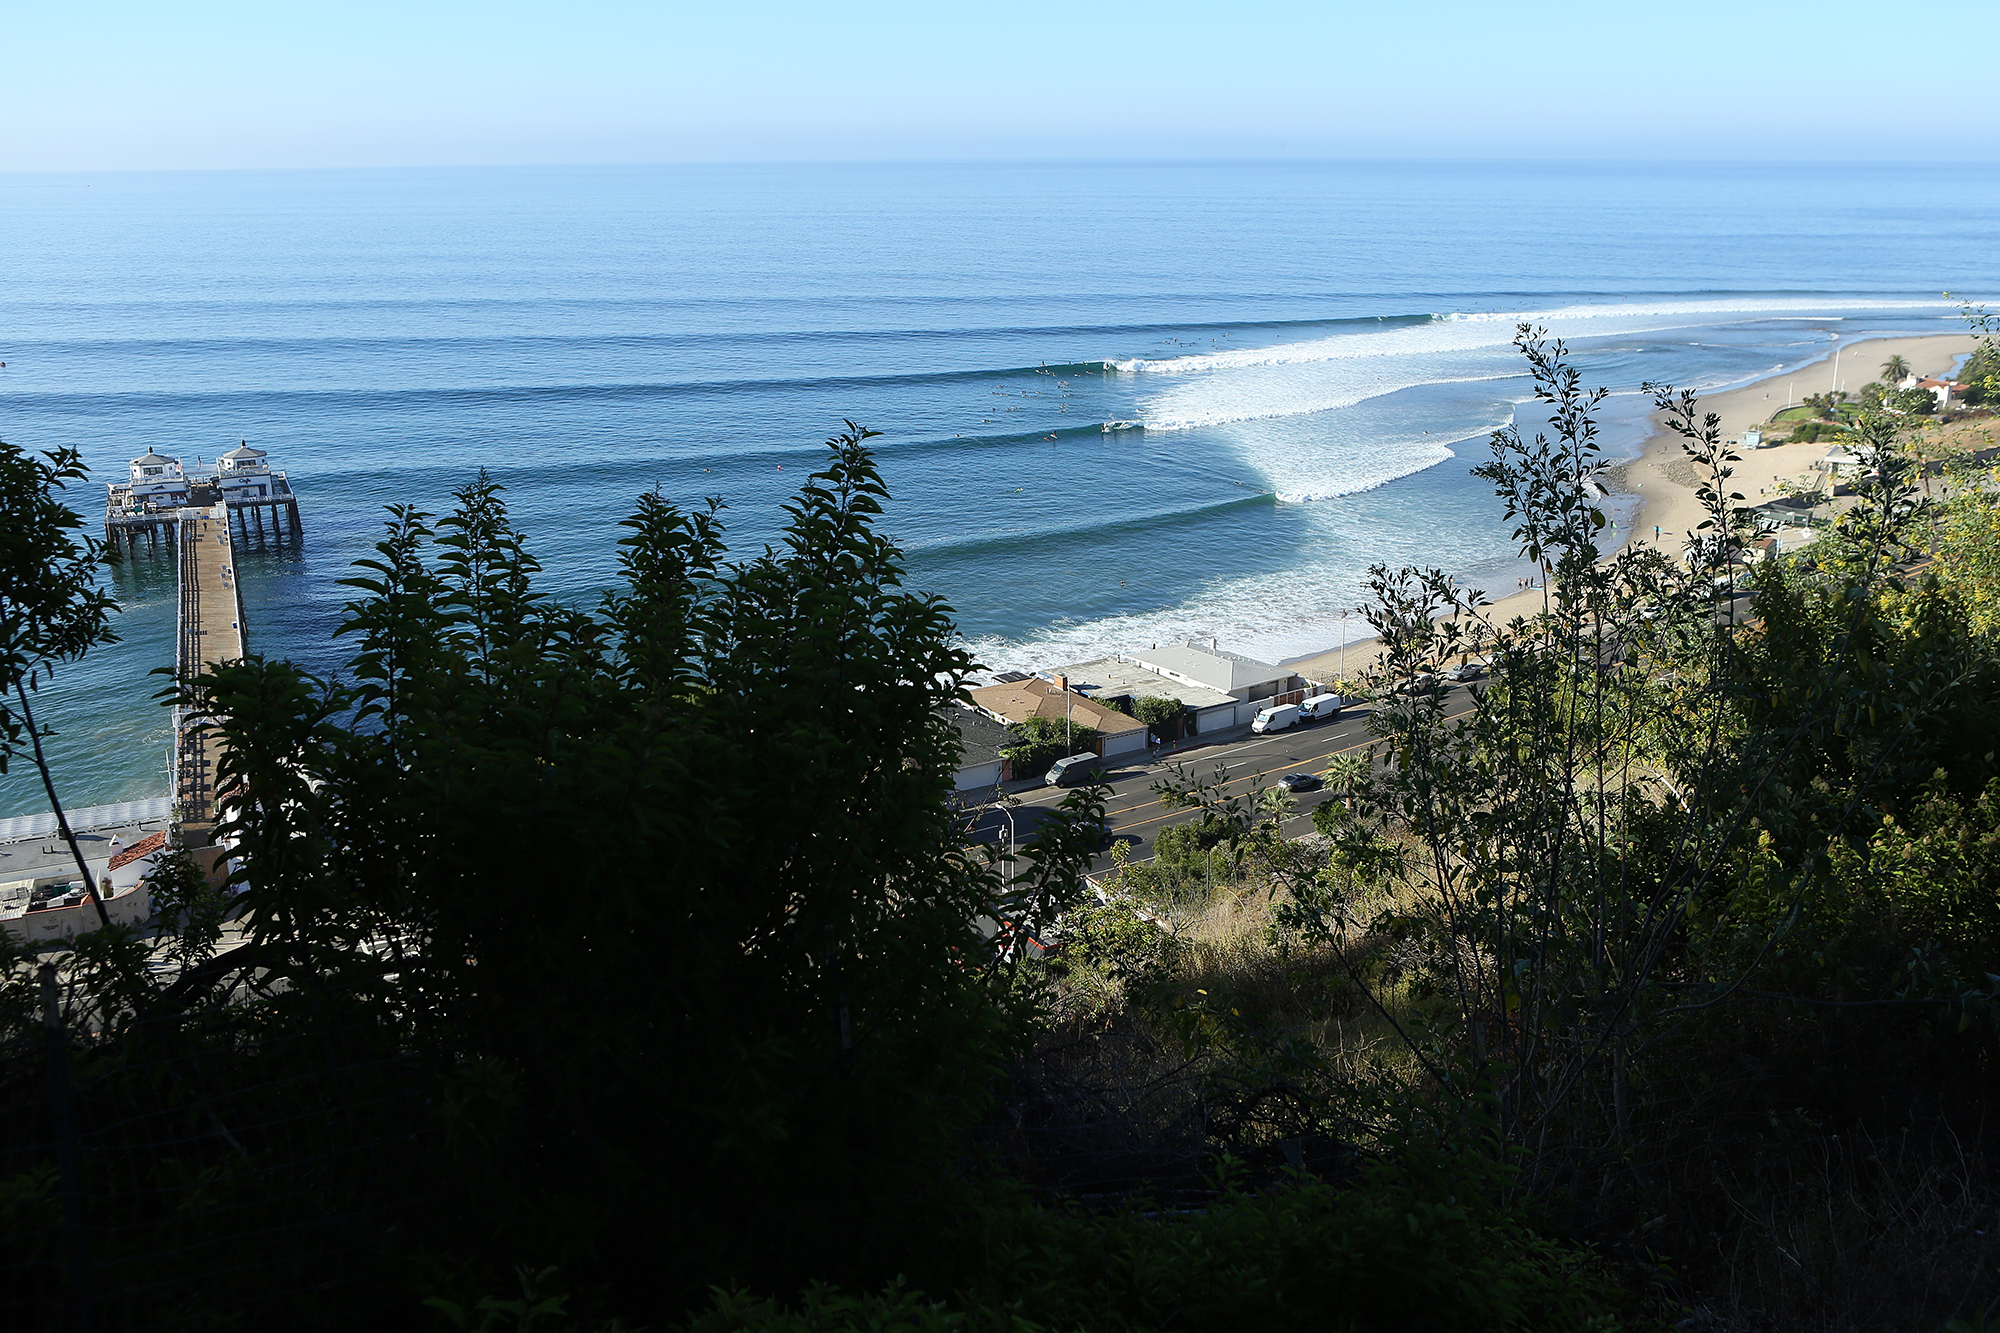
[[203, 515], [208, 631]]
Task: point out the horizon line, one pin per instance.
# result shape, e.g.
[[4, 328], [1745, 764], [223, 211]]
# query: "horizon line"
[[1240, 160]]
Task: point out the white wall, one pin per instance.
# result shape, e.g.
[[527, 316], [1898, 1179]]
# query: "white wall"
[[979, 777], [58, 923], [1219, 718], [1123, 743]]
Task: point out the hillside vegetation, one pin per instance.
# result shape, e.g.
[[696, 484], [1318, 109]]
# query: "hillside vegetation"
[[620, 966]]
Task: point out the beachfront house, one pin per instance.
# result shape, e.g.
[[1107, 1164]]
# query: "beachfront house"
[[980, 767], [1244, 679], [1118, 682], [1941, 390], [1018, 700]]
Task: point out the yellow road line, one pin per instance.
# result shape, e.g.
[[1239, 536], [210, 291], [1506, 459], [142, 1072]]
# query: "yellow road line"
[[1119, 828]]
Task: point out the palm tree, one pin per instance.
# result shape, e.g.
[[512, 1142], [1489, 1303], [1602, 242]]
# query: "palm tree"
[[1895, 370], [1344, 772]]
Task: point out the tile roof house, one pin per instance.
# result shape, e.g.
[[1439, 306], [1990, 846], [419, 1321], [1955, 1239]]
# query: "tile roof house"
[[129, 866], [1941, 390], [1017, 701]]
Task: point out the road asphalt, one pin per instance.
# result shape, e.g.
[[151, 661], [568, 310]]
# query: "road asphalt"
[[1253, 763]]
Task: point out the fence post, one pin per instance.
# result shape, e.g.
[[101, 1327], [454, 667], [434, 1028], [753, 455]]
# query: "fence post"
[[76, 1293]]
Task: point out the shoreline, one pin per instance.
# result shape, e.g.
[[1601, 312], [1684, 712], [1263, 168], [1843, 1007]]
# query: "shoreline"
[[1668, 503]]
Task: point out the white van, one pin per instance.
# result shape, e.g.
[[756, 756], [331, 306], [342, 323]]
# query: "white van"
[[1275, 719], [1320, 707]]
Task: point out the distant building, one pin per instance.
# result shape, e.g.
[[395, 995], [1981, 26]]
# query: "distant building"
[[243, 474], [1941, 390], [158, 482], [1115, 682], [980, 767], [1241, 678], [1017, 701]]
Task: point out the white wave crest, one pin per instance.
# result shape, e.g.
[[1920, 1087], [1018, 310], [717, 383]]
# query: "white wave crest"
[[1342, 369], [1351, 476]]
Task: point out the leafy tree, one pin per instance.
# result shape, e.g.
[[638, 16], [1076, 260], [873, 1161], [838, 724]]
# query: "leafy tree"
[[1040, 741], [1559, 851], [1967, 557], [1895, 370], [52, 610], [1917, 402], [1158, 713], [1981, 373], [677, 883]]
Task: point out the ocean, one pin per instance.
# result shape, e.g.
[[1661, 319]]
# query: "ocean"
[[1315, 354]]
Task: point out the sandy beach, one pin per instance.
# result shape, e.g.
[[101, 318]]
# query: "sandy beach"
[[1662, 479]]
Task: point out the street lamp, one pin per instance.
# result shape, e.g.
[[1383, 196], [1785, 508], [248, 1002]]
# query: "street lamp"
[[1005, 806], [1836, 363]]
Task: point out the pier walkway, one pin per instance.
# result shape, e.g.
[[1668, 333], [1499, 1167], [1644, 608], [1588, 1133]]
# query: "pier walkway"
[[208, 631]]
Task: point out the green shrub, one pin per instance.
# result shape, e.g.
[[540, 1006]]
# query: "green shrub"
[[1419, 1242], [1115, 940], [1917, 402], [1040, 741]]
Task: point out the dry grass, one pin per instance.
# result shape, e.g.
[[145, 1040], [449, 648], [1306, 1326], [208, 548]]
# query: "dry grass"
[[1866, 1234]]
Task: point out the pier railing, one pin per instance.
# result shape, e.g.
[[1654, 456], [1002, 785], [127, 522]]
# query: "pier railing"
[[192, 782]]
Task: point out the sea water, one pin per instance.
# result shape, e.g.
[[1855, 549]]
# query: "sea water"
[[1317, 353]]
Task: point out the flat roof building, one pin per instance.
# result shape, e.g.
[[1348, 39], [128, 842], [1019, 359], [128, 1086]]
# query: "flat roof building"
[[1227, 673], [1109, 678]]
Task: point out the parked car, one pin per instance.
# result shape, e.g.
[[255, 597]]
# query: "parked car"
[[1418, 686], [1298, 782], [1466, 671]]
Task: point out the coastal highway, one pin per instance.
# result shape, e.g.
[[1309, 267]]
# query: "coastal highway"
[[1134, 811]]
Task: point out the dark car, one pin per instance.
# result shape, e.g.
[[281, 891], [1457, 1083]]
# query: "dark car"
[[1298, 782], [1417, 686]]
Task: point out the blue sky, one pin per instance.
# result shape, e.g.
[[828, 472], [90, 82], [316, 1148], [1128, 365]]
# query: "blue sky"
[[95, 86]]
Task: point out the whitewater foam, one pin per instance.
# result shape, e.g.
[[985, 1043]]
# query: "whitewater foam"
[[1234, 391]]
